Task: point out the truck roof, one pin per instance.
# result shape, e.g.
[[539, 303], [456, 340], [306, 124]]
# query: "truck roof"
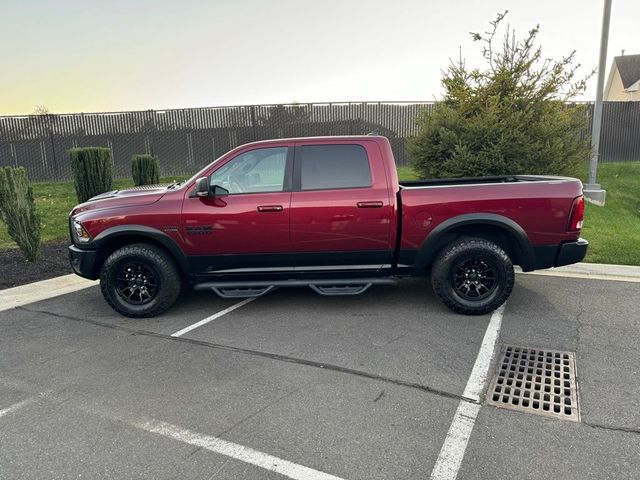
[[332, 138]]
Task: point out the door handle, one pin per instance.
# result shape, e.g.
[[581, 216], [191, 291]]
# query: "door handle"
[[342, 218], [270, 208], [370, 204]]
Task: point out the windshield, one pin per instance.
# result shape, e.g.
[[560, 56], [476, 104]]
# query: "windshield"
[[200, 173]]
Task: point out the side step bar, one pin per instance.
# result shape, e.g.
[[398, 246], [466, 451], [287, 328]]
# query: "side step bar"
[[243, 292], [249, 289]]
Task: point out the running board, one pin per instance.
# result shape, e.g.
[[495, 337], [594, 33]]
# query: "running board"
[[252, 289], [329, 290], [243, 292]]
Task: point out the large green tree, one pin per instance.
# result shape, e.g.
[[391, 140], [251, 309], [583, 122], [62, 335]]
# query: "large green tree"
[[509, 116]]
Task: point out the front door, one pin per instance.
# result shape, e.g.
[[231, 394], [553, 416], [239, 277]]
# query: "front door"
[[248, 229]]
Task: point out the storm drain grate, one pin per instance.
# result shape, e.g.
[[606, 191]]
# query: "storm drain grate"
[[536, 381]]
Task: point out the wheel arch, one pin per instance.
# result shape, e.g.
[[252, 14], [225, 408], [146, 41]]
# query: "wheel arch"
[[493, 227], [117, 237]]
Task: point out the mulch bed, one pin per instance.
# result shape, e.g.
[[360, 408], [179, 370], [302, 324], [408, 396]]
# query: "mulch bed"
[[15, 270]]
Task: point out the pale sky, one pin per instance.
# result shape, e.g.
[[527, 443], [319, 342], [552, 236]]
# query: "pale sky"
[[111, 55]]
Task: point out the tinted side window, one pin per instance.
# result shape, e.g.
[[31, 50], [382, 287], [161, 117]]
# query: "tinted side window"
[[333, 166], [257, 171]]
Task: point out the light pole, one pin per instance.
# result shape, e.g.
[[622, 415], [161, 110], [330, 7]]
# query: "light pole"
[[592, 191]]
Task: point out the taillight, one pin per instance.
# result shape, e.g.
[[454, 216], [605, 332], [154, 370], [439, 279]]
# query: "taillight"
[[577, 214]]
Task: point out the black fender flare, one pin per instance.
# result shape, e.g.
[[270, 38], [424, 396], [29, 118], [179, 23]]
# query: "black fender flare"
[[106, 236], [525, 253]]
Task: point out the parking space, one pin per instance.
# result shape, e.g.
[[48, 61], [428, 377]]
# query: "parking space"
[[403, 333], [302, 386]]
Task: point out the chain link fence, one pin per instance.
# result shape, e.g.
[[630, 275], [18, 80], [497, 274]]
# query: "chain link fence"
[[185, 140]]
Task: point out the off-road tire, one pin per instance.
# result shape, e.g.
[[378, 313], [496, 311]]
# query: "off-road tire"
[[169, 281], [446, 264]]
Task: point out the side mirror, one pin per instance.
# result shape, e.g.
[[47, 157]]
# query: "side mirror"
[[202, 187], [217, 191]]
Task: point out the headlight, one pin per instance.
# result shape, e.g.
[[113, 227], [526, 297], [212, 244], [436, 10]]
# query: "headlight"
[[82, 236]]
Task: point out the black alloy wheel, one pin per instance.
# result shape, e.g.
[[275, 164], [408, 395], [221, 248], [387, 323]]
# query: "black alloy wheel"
[[137, 283], [475, 278], [140, 280]]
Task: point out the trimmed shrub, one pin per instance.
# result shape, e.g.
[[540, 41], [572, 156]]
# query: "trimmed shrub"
[[18, 211], [92, 171], [145, 170]]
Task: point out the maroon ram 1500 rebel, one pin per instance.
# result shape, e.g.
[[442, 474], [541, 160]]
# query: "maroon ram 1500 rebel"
[[328, 213]]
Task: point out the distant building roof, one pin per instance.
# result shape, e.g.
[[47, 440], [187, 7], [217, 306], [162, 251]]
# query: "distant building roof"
[[629, 69]]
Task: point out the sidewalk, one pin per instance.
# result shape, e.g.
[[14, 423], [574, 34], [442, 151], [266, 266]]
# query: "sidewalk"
[[596, 271], [34, 292]]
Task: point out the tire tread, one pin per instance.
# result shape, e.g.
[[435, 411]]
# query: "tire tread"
[[440, 281], [170, 287]]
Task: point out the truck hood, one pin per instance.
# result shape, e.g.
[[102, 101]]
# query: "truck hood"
[[143, 195]]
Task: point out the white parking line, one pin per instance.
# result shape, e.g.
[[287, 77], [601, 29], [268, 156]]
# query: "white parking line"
[[23, 403], [455, 444], [179, 333], [233, 450]]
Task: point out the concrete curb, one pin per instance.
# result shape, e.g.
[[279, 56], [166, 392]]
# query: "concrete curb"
[[594, 271], [34, 292]]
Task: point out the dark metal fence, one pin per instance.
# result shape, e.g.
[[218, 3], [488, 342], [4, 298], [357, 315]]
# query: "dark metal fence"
[[187, 139]]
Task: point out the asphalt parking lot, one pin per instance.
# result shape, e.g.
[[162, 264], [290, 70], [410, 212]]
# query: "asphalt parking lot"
[[302, 386]]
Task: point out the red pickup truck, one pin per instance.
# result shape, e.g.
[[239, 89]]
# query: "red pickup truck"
[[328, 213]]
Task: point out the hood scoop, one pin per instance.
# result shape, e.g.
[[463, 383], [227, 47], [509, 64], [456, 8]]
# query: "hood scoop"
[[131, 191], [144, 187], [110, 194]]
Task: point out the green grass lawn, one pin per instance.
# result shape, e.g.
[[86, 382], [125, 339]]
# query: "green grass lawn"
[[407, 173], [613, 231]]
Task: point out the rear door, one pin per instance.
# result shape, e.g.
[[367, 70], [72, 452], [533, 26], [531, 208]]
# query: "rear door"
[[340, 207]]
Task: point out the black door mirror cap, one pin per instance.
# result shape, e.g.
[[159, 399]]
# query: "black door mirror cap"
[[217, 191]]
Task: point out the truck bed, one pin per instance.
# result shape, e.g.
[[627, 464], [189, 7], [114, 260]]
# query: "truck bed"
[[539, 204], [437, 182]]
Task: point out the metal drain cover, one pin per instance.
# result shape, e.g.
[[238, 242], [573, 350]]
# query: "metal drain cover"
[[536, 381]]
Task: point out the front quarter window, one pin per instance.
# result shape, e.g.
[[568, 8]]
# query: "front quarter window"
[[257, 171]]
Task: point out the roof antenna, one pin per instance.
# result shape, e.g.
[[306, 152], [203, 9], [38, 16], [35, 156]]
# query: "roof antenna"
[[623, 52], [374, 133]]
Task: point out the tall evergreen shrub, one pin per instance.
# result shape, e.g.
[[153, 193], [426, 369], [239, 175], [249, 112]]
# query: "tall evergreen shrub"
[[145, 169], [18, 211], [92, 171]]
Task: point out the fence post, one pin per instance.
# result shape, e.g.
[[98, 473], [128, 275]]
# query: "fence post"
[[253, 122], [53, 151]]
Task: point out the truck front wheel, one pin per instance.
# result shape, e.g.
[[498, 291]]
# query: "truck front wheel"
[[140, 280], [472, 276]]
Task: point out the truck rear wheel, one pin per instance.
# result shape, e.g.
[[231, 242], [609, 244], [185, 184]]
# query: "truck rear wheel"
[[140, 280], [472, 276]]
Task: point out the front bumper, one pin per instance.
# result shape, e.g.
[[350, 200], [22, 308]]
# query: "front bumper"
[[83, 262], [572, 252]]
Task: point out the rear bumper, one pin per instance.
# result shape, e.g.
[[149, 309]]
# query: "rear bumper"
[[572, 252], [548, 256], [83, 262]]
